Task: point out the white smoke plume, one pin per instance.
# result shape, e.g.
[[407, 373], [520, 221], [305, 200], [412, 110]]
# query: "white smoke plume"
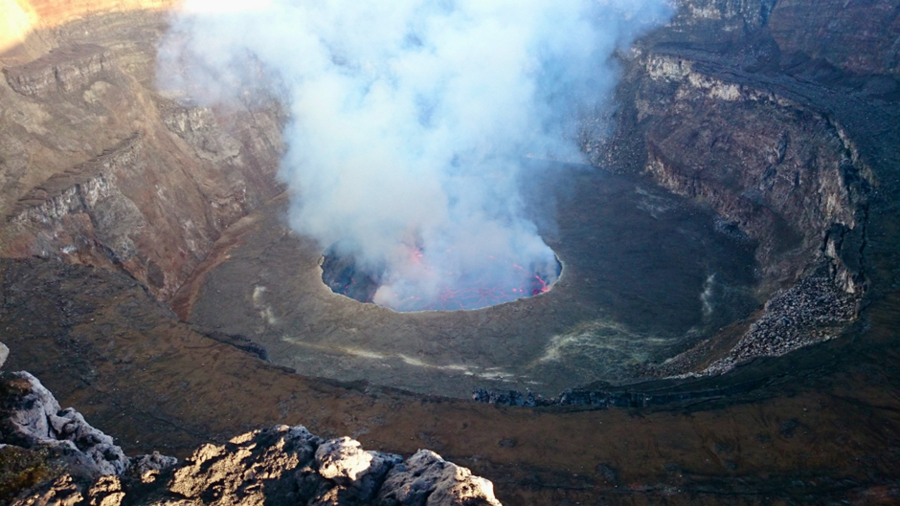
[[410, 120]]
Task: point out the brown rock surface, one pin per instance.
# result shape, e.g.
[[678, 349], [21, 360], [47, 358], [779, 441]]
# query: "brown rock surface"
[[775, 169], [23, 24], [860, 37], [99, 168]]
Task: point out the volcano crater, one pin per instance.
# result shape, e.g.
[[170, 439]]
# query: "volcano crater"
[[648, 274]]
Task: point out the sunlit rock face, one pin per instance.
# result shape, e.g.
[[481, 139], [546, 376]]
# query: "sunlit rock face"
[[730, 104], [855, 37], [24, 26], [98, 168], [280, 465]]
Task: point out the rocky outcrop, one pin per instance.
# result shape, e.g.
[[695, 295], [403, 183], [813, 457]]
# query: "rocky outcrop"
[[717, 22], [26, 28], [197, 126], [821, 38], [862, 38], [427, 479], [55, 210], [281, 465], [60, 71], [30, 417], [288, 465]]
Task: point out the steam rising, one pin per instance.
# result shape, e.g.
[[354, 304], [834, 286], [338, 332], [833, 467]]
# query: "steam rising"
[[410, 119]]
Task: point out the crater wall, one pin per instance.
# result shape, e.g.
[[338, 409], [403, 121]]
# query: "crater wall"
[[98, 167]]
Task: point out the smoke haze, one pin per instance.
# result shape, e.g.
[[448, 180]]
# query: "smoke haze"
[[410, 119]]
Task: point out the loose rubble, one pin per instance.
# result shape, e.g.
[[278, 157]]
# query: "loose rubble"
[[280, 465], [812, 311]]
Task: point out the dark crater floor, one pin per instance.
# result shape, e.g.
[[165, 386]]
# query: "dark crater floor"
[[646, 275]]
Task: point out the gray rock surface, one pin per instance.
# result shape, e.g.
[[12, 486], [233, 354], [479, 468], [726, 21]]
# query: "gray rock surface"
[[427, 479], [355, 472], [4, 353], [280, 465], [34, 419], [809, 312], [288, 465]]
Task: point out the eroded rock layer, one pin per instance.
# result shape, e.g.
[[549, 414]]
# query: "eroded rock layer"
[[99, 168]]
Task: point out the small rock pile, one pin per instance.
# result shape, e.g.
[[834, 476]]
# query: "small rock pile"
[[812, 311], [280, 465]]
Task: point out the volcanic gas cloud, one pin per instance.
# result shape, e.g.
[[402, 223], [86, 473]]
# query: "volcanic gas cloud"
[[409, 122]]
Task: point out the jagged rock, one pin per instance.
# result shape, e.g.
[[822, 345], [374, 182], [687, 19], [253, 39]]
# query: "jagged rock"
[[246, 469], [197, 126], [60, 71], [812, 311], [355, 472], [61, 492], [147, 467], [281, 465], [288, 465], [107, 491], [507, 398], [31, 417], [427, 479]]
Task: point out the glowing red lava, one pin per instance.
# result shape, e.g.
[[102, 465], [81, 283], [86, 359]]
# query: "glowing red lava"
[[495, 281]]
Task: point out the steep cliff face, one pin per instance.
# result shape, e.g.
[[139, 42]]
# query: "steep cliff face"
[[717, 22], [98, 168], [722, 106], [739, 124], [780, 172]]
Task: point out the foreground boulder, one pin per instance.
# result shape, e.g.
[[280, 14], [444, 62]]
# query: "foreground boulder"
[[31, 418], [53, 456]]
